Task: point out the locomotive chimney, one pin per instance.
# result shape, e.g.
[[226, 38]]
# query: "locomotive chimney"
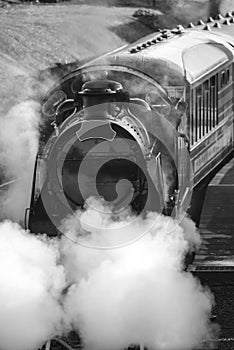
[[97, 96]]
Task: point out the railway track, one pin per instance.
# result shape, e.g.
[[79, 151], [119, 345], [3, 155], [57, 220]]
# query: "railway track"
[[65, 344], [216, 227], [214, 264]]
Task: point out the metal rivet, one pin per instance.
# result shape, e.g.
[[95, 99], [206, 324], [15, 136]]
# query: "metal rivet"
[[180, 27], [219, 16], [207, 27], [200, 22], [210, 20], [144, 45], [226, 22], [178, 30], [232, 20], [228, 14], [154, 41], [133, 50], [217, 25], [191, 25], [138, 47], [149, 43]]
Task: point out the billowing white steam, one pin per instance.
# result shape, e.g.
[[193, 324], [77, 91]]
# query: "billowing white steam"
[[31, 279], [18, 149], [31, 285], [137, 294]]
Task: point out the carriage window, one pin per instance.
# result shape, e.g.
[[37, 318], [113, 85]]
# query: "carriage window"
[[225, 94], [206, 108], [204, 111], [210, 103], [225, 78], [228, 76]]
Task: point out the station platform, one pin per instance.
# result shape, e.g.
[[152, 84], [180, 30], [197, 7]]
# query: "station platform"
[[217, 226]]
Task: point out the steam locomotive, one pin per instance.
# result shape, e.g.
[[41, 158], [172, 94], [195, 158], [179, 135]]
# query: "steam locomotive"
[[143, 126]]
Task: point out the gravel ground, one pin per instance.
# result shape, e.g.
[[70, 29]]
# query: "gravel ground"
[[224, 312]]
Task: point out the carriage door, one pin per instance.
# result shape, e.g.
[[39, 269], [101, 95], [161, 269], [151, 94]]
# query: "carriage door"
[[184, 168]]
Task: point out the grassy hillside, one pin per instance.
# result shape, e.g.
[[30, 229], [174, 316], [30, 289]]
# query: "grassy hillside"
[[38, 36], [35, 37]]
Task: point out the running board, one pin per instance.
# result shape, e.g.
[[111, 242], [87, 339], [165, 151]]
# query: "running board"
[[210, 273]]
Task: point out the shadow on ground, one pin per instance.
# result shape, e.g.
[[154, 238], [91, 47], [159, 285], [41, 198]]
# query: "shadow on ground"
[[131, 31], [123, 3]]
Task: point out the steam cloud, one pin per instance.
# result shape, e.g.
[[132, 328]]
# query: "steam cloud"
[[31, 278], [137, 294], [18, 149], [31, 286]]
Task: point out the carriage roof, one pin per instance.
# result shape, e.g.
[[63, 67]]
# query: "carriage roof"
[[177, 54]]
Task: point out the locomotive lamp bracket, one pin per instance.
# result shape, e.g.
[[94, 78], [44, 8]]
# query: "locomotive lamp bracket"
[[26, 217], [149, 155], [55, 126], [180, 201], [186, 140]]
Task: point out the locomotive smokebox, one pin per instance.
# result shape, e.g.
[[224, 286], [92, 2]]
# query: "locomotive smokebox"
[[99, 93]]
